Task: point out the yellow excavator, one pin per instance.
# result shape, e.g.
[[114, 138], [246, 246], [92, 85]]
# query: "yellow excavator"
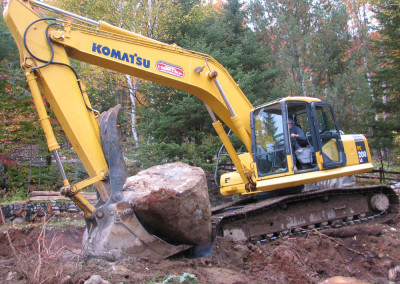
[[292, 177]]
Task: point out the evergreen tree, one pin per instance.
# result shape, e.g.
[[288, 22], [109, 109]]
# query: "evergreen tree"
[[309, 39], [227, 37], [386, 82]]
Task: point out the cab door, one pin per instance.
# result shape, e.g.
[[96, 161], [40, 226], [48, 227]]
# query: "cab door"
[[329, 142], [270, 140]]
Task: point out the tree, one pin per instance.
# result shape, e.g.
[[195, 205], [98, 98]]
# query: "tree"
[[224, 34], [386, 83], [323, 51], [309, 38]]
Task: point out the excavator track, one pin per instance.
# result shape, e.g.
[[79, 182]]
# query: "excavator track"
[[263, 220]]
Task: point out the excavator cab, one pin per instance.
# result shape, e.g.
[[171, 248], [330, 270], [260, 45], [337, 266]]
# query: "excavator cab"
[[318, 145], [318, 151]]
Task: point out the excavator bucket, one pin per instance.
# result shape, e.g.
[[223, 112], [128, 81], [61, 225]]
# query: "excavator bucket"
[[117, 231]]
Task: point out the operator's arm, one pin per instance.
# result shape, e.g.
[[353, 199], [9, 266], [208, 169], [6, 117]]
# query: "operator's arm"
[[298, 134]]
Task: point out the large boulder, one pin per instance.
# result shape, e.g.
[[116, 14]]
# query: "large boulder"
[[171, 201]]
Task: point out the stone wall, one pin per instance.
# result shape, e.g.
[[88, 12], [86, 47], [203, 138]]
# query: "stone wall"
[[34, 211]]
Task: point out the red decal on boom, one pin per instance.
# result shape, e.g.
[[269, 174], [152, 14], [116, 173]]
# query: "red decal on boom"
[[170, 69]]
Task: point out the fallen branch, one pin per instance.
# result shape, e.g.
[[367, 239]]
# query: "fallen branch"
[[348, 232], [55, 195]]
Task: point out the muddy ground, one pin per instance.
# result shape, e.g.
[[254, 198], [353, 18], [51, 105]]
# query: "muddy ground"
[[371, 255]]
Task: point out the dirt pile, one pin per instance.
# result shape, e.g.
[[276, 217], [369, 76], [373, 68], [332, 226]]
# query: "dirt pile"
[[371, 256]]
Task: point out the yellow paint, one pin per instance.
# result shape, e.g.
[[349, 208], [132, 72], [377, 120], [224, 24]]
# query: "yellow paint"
[[330, 149]]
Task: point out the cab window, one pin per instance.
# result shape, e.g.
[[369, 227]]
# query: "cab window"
[[269, 150], [329, 137]]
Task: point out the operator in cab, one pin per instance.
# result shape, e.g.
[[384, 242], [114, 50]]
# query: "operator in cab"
[[297, 138]]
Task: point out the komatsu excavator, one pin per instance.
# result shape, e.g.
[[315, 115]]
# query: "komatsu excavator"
[[288, 184]]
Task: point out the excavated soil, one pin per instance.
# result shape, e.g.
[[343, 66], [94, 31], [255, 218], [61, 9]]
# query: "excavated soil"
[[369, 252]]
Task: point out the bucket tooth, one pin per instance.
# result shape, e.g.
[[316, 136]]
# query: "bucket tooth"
[[112, 151]]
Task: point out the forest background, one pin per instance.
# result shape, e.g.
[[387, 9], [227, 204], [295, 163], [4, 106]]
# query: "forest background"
[[344, 52]]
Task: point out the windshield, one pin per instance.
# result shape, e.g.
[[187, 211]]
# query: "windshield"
[[270, 144]]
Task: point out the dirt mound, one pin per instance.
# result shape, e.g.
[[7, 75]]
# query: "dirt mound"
[[371, 255]]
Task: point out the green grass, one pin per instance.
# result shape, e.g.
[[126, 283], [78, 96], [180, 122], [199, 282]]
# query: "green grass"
[[185, 278]]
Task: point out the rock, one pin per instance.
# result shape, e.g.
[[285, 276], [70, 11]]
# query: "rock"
[[343, 280], [96, 279], [40, 212], [12, 275], [172, 202], [21, 212], [394, 274], [66, 279], [64, 207], [6, 210], [121, 270], [73, 210], [18, 221], [30, 213]]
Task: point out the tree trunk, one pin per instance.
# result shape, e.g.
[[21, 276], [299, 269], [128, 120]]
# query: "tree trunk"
[[132, 96], [299, 69]]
